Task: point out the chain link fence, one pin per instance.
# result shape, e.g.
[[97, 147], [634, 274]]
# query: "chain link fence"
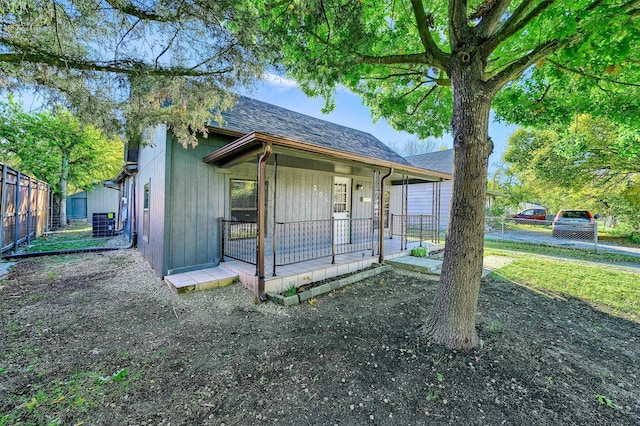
[[543, 231]]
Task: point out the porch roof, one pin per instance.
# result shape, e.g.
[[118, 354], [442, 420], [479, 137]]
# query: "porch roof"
[[294, 153]]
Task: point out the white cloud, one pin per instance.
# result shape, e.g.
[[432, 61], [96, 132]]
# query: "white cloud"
[[278, 82]]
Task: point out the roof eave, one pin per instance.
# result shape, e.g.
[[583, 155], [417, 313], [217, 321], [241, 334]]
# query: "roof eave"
[[248, 142]]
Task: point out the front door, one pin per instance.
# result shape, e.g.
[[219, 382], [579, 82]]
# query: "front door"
[[341, 210]]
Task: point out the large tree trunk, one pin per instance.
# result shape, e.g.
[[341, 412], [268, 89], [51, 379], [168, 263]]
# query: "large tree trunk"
[[454, 317]]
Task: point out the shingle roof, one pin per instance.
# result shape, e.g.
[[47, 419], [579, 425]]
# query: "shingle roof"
[[250, 115], [440, 161]]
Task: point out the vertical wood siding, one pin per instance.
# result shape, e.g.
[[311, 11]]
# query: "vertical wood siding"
[[152, 162], [196, 204], [420, 200]]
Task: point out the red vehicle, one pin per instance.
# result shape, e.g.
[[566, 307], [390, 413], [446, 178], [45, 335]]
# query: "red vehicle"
[[531, 216]]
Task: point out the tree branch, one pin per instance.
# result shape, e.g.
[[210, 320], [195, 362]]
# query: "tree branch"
[[457, 22], [492, 18], [426, 95], [592, 76], [513, 70], [412, 58], [130, 9], [516, 22], [127, 67], [437, 57]]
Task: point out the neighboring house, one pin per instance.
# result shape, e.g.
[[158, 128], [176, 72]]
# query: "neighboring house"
[[99, 199], [268, 187], [421, 197]]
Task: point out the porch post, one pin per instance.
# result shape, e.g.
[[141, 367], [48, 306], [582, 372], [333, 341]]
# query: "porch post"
[[403, 221], [275, 204], [374, 190], [438, 212], [381, 217], [405, 185], [261, 225]]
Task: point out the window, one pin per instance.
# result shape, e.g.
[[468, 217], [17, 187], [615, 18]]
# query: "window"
[[244, 195], [145, 212]]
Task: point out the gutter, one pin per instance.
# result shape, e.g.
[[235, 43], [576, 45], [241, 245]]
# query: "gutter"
[[261, 219], [381, 217]]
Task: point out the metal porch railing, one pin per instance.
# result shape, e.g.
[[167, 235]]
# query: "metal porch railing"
[[294, 242], [415, 228]]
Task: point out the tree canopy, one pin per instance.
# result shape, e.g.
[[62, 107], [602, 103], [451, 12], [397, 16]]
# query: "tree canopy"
[[436, 66], [578, 56], [55, 147], [594, 163], [117, 63]]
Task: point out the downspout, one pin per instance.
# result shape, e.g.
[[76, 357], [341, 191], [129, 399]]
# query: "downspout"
[[381, 217], [261, 225]]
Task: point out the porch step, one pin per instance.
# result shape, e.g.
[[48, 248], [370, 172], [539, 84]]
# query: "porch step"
[[417, 264], [424, 265], [201, 279]]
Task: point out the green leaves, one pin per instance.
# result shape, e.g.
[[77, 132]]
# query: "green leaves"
[[113, 63], [39, 143], [594, 163]]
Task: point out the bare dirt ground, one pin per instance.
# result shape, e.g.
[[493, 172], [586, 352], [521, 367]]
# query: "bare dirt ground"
[[97, 339]]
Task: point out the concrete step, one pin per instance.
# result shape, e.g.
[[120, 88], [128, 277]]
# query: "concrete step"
[[417, 264], [422, 264], [201, 279]]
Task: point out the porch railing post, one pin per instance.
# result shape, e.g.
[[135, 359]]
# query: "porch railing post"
[[421, 218], [222, 234], [333, 245]]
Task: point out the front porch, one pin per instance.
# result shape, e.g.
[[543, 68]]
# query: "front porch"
[[295, 274]]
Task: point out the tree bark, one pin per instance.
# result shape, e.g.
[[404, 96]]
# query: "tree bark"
[[454, 316]]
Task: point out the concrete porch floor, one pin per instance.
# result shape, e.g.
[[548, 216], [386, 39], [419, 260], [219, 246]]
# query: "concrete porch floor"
[[297, 274]]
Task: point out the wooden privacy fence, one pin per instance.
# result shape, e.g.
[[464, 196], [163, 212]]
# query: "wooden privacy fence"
[[25, 208]]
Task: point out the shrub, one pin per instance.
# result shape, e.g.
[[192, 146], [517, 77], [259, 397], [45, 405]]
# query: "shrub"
[[419, 252]]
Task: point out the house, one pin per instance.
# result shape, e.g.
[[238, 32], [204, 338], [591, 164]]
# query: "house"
[[99, 199], [270, 192], [420, 195]]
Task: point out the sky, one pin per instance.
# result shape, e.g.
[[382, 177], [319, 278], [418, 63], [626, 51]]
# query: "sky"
[[350, 112]]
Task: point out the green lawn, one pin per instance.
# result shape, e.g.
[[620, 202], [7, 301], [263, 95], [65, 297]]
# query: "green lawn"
[[549, 250], [603, 286], [70, 239]]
